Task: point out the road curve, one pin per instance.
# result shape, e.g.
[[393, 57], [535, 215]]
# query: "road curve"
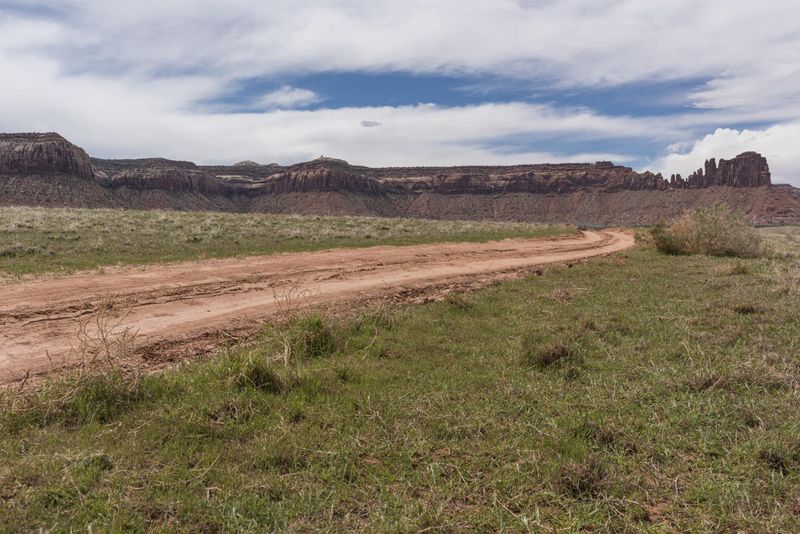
[[176, 305]]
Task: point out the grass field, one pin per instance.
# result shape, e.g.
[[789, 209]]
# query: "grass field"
[[639, 392], [39, 240]]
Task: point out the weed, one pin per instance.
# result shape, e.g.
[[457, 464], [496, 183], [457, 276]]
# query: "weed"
[[284, 457], [75, 399]]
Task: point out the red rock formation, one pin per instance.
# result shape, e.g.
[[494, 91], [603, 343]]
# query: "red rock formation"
[[167, 178], [42, 153], [319, 179], [749, 169], [45, 169]]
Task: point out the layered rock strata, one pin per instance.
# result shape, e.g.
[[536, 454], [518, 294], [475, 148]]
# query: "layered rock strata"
[[47, 170]]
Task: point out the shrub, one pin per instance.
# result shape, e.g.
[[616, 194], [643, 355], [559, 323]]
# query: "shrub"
[[715, 231]]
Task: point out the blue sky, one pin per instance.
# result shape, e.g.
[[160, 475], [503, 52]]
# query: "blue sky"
[[653, 84]]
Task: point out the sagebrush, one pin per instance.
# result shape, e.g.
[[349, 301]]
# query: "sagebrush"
[[715, 231]]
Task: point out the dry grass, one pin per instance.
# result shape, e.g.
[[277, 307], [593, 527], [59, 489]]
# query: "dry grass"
[[38, 240], [565, 295]]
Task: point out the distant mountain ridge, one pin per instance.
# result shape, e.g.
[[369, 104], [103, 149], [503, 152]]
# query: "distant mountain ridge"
[[46, 169]]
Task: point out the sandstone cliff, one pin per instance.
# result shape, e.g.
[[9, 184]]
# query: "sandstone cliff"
[[42, 153], [749, 169], [45, 169], [167, 178]]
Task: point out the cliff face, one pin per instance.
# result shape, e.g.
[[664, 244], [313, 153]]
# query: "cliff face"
[[164, 177], [749, 169], [542, 179], [42, 154], [46, 170]]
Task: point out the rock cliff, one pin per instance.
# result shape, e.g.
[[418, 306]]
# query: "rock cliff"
[[749, 169], [36, 153], [47, 170], [164, 177]]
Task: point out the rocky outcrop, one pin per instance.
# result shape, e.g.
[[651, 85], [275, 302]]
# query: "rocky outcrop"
[[167, 178], [749, 169], [329, 174], [314, 179], [46, 170], [42, 153]]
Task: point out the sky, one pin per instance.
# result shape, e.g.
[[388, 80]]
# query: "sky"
[[657, 85]]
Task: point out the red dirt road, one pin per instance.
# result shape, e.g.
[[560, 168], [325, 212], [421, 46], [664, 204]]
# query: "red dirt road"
[[184, 307]]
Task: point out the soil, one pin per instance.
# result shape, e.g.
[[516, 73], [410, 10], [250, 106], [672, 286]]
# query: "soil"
[[194, 308]]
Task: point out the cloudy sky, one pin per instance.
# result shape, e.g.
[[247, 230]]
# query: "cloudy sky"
[[654, 84]]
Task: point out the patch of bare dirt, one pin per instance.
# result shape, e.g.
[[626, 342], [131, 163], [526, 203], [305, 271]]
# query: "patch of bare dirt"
[[194, 308]]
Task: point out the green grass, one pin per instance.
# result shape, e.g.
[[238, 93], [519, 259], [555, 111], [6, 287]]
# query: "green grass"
[[39, 240], [639, 392]]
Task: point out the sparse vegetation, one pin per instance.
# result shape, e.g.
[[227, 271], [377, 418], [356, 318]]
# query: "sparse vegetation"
[[716, 231], [670, 407], [39, 240]]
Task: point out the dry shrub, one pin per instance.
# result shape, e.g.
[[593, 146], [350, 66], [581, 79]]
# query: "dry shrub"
[[103, 338], [716, 231]]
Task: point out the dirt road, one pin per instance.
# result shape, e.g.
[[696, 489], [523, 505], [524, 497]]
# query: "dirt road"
[[191, 307]]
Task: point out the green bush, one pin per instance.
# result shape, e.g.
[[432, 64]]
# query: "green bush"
[[715, 231]]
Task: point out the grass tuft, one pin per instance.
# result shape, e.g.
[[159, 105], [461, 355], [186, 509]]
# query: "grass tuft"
[[313, 337], [585, 479], [261, 376], [548, 355], [746, 309]]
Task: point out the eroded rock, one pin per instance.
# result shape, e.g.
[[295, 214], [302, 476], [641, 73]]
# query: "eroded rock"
[[42, 153]]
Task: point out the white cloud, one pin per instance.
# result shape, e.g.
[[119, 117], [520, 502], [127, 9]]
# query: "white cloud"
[[288, 97], [125, 78], [572, 42], [777, 143], [135, 116]]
